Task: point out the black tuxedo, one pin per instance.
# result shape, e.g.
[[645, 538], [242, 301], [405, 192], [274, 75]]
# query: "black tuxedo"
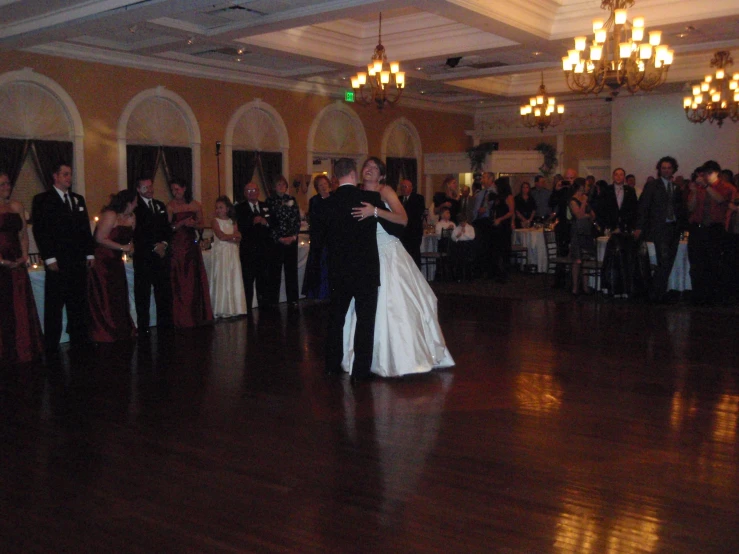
[[149, 269], [652, 220], [254, 252], [412, 235], [64, 235], [613, 217], [353, 270]]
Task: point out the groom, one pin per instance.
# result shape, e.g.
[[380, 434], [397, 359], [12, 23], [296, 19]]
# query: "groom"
[[353, 268]]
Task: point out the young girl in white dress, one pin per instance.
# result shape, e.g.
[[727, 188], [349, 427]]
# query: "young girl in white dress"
[[226, 285]]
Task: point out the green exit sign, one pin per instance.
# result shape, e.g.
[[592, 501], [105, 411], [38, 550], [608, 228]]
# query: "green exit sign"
[[349, 96]]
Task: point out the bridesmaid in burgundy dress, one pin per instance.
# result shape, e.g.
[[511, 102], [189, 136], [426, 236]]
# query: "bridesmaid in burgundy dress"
[[20, 330], [107, 287], [190, 292]]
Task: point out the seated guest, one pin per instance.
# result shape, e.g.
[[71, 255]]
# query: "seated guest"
[[540, 193], [190, 292], [20, 330], [315, 281], [463, 253], [226, 283], [525, 207], [107, 287], [448, 198], [582, 245], [445, 223], [463, 232], [284, 225]]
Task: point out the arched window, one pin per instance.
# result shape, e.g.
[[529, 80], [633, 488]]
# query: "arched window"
[[158, 135], [256, 148], [401, 148], [40, 127], [336, 132]]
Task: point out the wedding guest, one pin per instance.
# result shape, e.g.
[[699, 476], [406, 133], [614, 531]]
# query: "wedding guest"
[[190, 294], [502, 212], [20, 330], [226, 283], [415, 209], [540, 193], [61, 227], [252, 218], [525, 207], [107, 288], [285, 225], [463, 253], [315, 281], [445, 223], [448, 198], [151, 262], [582, 245]]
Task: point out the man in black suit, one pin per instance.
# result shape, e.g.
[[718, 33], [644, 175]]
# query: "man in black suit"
[[415, 208], [150, 261], [61, 227], [660, 215], [252, 217], [353, 268], [620, 204]]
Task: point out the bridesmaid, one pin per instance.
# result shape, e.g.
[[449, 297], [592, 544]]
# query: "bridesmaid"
[[190, 295], [107, 288], [20, 330]]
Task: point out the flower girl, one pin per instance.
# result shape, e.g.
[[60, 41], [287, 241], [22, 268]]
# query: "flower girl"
[[226, 284]]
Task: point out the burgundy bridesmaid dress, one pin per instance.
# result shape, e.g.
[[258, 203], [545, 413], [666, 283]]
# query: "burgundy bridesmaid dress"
[[190, 293], [107, 292], [20, 330]]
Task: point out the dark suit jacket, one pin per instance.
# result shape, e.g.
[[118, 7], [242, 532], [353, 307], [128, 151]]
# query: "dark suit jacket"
[[652, 211], [353, 261], [59, 233], [255, 239], [151, 228], [613, 217], [415, 207]]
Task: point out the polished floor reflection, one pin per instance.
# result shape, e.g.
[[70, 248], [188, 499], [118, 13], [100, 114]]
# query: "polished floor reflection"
[[565, 427]]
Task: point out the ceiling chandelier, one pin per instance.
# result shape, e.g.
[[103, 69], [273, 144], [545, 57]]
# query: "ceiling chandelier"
[[618, 55], [542, 111], [383, 83], [717, 97]]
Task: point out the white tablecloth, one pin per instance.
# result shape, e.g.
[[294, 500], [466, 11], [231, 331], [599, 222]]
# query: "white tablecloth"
[[429, 243], [38, 278], [533, 239], [680, 276]]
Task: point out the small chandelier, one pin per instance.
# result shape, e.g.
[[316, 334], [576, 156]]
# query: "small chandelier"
[[717, 97], [383, 83], [542, 111], [618, 55]]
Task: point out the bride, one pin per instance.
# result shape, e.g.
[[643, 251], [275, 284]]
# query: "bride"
[[408, 338]]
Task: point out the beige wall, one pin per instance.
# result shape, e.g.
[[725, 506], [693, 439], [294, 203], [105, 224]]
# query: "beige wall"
[[101, 93]]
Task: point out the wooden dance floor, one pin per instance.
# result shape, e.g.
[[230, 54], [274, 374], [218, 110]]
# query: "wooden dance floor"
[[584, 427]]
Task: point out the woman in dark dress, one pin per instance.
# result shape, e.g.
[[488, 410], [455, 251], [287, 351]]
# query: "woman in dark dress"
[[190, 292], [502, 212], [582, 240], [20, 330], [525, 207], [107, 288], [448, 199], [315, 282]]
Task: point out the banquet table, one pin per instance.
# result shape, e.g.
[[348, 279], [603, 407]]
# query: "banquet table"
[[679, 277], [38, 278], [533, 240]]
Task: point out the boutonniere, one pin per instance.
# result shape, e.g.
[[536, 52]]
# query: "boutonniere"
[[265, 210], [290, 203]]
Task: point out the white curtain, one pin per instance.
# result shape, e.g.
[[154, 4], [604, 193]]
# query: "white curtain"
[[29, 111], [257, 131], [157, 121], [400, 143], [337, 133]]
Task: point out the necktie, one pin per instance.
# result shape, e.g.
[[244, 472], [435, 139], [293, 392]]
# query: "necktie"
[[670, 207], [150, 203], [67, 202], [254, 209]]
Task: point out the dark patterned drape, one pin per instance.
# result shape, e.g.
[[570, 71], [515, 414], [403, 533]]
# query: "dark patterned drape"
[[271, 168], [244, 163], [401, 168], [141, 161], [47, 154], [12, 154], [178, 163]]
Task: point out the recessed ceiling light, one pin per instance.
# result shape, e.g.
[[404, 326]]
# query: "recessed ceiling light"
[[190, 41], [240, 51], [419, 68], [132, 29], [423, 92], [238, 59], [536, 54]]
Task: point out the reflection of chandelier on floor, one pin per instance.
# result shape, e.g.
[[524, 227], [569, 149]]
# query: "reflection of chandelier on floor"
[[618, 55], [717, 97], [383, 83], [542, 111]]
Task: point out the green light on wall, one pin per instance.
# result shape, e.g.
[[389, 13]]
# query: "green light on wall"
[[349, 96]]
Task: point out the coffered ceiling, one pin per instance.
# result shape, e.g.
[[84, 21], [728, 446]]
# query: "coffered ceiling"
[[459, 55]]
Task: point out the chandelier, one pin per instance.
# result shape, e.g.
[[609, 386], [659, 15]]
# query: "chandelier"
[[717, 97], [383, 83], [542, 111], [618, 55]]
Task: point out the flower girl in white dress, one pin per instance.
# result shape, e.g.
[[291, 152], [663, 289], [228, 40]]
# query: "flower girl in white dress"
[[226, 285]]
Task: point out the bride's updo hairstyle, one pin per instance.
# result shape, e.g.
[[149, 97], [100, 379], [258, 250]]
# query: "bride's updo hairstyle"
[[380, 165]]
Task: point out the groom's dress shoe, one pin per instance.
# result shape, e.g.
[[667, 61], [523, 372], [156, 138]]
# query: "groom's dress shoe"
[[359, 379]]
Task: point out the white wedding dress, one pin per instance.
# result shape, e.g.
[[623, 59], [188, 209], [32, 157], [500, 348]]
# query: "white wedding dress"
[[226, 285], [408, 338]]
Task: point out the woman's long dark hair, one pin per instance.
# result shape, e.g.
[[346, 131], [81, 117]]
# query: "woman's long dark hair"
[[380, 165], [118, 202], [187, 187]]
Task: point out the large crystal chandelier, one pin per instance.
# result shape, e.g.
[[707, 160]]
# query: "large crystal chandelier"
[[717, 97], [383, 83], [542, 111], [618, 56]]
